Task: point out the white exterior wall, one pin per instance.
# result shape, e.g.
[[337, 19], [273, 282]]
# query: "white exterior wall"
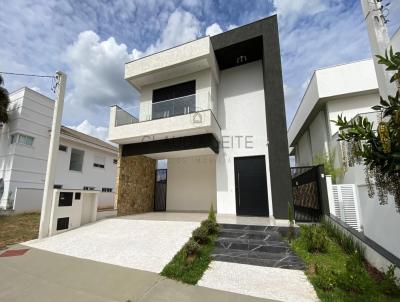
[[303, 150], [396, 40], [350, 106], [24, 167], [90, 176], [319, 135], [191, 184], [241, 112]]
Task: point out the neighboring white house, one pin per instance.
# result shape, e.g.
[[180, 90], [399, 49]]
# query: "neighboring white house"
[[351, 90], [84, 162], [214, 108]]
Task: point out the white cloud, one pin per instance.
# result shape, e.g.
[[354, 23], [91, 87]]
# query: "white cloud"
[[290, 8], [97, 70], [213, 29], [37, 89], [181, 27], [232, 26], [89, 129]]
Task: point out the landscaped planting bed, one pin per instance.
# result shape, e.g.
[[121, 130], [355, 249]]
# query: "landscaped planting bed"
[[337, 269], [192, 260]]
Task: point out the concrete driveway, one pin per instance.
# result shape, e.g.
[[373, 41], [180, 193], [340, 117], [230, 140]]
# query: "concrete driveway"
[[133, 241]]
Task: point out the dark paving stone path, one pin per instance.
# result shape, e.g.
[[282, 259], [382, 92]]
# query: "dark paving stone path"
[[255, 245]]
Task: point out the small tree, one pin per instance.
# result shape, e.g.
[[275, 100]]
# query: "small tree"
[[378, 148], [4, 102], [328, 161]]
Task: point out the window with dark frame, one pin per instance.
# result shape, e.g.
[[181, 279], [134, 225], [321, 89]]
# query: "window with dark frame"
[[87, 188], [62, 148], [106, 189], [57, 186], [99, 162], [115, 161], [76, 161]]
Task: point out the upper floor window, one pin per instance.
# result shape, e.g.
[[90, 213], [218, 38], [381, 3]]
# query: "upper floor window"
[[115, 161], [76, 161], [106, 189], [87, 188], [22, 139], [62, 148], [174, 100], [99, 161]]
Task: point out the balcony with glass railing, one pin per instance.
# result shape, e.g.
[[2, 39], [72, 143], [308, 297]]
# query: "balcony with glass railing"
[[187, 115]]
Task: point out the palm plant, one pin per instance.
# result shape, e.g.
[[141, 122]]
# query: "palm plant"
[[4, 101]]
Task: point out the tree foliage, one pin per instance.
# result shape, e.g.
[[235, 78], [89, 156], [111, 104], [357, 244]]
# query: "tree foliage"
[[328, 161], [378, 147], [4, 102]]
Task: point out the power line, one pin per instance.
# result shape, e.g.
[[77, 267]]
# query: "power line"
[[27, 75]]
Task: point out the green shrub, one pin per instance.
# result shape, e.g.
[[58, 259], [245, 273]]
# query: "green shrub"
[[211, 214], [315, 238], [191, 247], [354, 278], [388, 285], [200, 235], [350, 245], [211, 226], [290, 235], [325, 278]]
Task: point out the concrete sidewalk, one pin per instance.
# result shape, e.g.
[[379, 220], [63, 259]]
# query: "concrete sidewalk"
[[44, 276]]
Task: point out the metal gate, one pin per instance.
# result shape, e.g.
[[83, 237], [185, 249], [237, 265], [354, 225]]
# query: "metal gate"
[[307, 194], [160, 190]]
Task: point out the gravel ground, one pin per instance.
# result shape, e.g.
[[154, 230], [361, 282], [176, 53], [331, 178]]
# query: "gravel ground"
[[140, 244], [263, 282]]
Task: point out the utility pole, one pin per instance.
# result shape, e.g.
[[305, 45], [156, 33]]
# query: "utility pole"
[[379, 41], [52, 159]]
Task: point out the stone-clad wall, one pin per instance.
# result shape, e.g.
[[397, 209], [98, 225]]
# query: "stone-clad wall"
[[135, 184]]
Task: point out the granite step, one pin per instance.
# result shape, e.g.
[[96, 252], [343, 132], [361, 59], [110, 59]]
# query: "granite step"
[[276, 247], [277, 263], [255, 245]]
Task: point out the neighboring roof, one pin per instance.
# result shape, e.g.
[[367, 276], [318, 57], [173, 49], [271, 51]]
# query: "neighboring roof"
[[395, 40], [327, 83], [87, 138]]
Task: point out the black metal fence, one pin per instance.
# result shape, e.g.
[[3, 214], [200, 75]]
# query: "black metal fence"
[[309, 193], [160, 190]]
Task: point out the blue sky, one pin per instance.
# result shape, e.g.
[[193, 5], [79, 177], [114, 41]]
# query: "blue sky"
[[91, 40]]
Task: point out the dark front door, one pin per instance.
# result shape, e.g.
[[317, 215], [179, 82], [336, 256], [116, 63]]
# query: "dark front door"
[[251, 186]]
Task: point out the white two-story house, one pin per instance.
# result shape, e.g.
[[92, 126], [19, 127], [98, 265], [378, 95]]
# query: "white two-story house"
[[350, 90], [83, 162], [214, 108]]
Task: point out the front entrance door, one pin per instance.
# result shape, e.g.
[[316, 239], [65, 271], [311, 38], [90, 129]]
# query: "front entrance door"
[[251, 186]]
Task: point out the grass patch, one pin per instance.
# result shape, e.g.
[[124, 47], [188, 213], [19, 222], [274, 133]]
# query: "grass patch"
[[192, 260], [18, 228], [189, 271], [338, 275]]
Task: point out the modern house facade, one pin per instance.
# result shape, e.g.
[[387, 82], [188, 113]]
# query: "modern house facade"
[[84, 162], [350, 90], [214, 108]]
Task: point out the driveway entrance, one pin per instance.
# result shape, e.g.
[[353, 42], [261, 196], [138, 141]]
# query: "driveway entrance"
[[126, 241]]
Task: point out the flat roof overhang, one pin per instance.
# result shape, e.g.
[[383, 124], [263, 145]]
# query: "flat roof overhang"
[[175, 62], [202, 144]]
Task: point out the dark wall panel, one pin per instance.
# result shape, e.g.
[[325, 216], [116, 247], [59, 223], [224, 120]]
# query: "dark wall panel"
[[274, 104], [172, 144]]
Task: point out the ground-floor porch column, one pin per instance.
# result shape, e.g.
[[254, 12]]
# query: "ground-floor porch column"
[[135, 184]]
